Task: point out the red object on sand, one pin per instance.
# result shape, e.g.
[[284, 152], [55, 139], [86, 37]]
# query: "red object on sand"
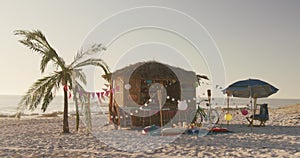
[[244, 112], [217, 129]]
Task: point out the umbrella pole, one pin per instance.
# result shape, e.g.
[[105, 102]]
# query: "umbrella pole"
[[252, 115], [227, 110], [254, 109], [255, 106], [251, 109]]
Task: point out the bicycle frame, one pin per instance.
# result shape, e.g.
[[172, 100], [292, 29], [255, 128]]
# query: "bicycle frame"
[[202, 114]]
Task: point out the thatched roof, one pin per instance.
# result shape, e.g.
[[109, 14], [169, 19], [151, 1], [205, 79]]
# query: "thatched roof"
[[152, 66]]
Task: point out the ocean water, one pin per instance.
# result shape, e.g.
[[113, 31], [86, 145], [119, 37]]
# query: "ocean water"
[[242, 102], [9, 104]]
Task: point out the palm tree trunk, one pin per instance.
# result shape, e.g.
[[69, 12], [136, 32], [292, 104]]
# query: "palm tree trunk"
[[65, 121], [77, 113], [75, 92]]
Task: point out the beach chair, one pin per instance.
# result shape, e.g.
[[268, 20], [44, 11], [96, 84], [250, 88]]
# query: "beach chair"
[[263, 115]]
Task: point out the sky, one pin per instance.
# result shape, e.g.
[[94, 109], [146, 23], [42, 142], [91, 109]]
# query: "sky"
[[254, 39]]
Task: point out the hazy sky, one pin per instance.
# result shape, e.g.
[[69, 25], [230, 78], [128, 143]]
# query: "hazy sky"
[[256, 39]]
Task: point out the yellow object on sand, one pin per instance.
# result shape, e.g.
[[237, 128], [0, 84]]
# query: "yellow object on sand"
[[228, 117]]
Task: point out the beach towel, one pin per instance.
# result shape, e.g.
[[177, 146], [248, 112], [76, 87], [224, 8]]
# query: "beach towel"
[[215, 130]]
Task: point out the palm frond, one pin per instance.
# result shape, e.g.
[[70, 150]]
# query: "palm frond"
[[200, 77], [44, 62], [94, 62], [80, 75], [36, 41], [96, 48], [59, 78], [40, 90], [48, 96]]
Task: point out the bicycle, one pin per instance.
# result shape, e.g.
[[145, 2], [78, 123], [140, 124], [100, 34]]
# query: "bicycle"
[[201, 117]]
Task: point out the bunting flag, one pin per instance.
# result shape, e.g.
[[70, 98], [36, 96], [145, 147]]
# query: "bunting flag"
[[70, 95], [65, 87], [107, 93], [100, 95]]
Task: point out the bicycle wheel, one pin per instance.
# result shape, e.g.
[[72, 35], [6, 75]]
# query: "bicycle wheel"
[[192, 116], [213, 116], [196, 118]]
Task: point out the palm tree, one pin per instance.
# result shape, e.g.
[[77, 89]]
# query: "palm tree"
[[43, 90]]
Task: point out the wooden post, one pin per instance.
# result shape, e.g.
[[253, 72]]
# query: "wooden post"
[[227, 109], [159, 97], [209, 113]]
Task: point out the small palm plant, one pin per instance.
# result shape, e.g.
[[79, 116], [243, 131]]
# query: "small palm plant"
[[200, 77], [44, 89]]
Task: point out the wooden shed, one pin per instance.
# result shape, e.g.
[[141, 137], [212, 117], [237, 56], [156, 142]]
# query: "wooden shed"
[[136, 101]]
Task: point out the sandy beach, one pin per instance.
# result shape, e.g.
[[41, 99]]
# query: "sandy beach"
[[42, 137]]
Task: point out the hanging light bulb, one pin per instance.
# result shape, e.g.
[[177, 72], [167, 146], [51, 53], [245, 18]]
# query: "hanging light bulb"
[[182, 105], [127, 86]]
